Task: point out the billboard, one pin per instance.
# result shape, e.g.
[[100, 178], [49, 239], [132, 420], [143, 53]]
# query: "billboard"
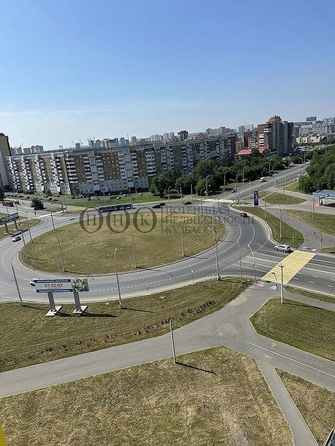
[[61, 285], [255, 197]]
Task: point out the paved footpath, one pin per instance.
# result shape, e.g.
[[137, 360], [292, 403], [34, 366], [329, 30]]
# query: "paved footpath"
[[228, 327]]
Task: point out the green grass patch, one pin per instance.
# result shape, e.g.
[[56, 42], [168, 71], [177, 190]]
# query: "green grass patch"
[[154, 404], [316, 404], [279, 198], [293, 187], [300, 325], [321, 222], [135, 199], [158, 238], [310, 294], [289, 235], [28, 337]]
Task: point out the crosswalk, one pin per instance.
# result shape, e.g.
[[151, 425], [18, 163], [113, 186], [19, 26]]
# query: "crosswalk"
[[289, 267]]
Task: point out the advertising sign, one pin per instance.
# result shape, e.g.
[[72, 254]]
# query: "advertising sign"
[[255, 197], [61, 285]]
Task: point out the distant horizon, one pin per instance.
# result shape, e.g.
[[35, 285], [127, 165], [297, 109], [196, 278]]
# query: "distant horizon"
[[84, 142], [79, 69]]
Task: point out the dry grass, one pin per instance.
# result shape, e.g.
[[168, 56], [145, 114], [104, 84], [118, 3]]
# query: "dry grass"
[[317, 405], [91, 251], [155, 404], [28, 337]]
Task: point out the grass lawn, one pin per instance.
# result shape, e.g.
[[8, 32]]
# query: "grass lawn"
[[321, 222], [279, 198], [294, 186], [290, 236], [135, 199], [300, 325], [316, 404], [168, 232], [217, 397], [39, 339]]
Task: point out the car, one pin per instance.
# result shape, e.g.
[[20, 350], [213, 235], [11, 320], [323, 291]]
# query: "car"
[[156, 206], [283, 248], [33, 282], [187, 202], [262, 180], [162, 204], [16, 238], [243, 214]]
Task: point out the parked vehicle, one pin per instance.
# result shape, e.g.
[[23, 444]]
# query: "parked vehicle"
[[244, 214], [16, 238]]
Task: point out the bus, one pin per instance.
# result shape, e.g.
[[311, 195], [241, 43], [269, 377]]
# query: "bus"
[[115, 207]]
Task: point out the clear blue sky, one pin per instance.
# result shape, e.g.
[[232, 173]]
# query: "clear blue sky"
[[75, 69]]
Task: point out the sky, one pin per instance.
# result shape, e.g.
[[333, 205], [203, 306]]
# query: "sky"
[[73, 70]]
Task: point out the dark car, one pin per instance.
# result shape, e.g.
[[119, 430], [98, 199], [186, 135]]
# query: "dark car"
[[156, 206], [188, 202], [243, 214], [161, 204]]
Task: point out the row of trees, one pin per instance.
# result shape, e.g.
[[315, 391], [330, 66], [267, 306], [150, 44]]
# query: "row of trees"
[[320, 172], [215, 174]]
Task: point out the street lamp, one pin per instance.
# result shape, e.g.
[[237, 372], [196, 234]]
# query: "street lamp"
[[16, 283], [224, 180], [216, 253], [239, 248], [182, 242], [281, 283], [59, 246], [117, 280], [28, 227], [280, 222], [207, 185], [253, 255], [181, 193], [169, 193], [243, 174]]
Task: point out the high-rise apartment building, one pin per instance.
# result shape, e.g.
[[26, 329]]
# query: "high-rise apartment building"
[[5, 179], [112, 169]]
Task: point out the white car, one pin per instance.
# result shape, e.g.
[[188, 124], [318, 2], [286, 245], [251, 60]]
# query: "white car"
[[283, 248], [16, 238], [33, 282]]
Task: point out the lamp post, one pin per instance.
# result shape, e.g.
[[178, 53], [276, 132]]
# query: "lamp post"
[[216, 253], [224, 180], [201, 198], [275, 279], [239, 249], [117, 280], [134, 250], [280, 222], [253, 255], [181, 193], [169, 193], [16, 283], [59, 246], [281, 283], [243, 174], [207, 185], [28, 227], [182, 242]]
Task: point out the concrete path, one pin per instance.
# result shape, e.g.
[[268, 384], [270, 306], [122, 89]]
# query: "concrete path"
[[302, 436]]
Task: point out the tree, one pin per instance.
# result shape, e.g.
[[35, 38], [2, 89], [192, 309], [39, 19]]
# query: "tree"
[[36, 204], [2, 194]]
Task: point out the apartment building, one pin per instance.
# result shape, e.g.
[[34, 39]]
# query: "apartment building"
[[5, 178], [112, 169]]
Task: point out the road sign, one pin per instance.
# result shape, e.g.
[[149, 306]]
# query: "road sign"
[[256, 198], [61, 285], [53, 286]]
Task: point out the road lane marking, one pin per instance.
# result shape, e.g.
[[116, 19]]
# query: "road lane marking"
[[291, 359], [293, 263]]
